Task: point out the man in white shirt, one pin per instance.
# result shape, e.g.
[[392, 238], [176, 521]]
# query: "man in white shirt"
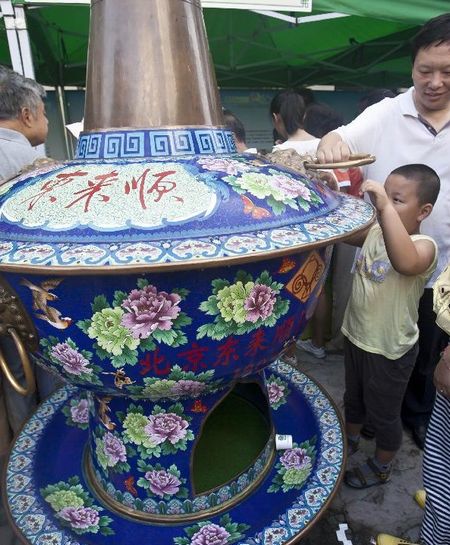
[[23, 123], [412, 127]]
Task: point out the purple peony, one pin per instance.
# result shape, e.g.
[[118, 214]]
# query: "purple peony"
[[210, 534], [149, 310], [166, 427], [162, 482], [295, 458], [275, 391], [80, 517], [80, 412], [291, 188], [114, 449], [259, 303], [191, 388], [72, 361]]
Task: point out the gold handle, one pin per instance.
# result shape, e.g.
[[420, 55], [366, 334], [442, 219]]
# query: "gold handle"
[[30, 385], [356, 160]]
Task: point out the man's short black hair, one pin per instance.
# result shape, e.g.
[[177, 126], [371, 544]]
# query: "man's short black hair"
[[234, 124], [427, 181], [434, 32]]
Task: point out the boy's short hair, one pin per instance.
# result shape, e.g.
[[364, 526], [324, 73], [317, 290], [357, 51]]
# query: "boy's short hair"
[[428, 182]]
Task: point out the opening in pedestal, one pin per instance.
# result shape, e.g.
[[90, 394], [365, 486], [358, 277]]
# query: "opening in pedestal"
[[233, 437]]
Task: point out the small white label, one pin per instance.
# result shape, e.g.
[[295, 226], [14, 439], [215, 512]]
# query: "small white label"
[[283, 442]]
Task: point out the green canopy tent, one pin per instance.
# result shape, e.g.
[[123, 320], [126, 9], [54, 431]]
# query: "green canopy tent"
[[366, 45]]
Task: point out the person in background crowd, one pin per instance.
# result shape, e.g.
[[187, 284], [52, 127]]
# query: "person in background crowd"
[[302, 128], [374, 96], [23, 124], [380, 322], [235, 125], [413, 124]]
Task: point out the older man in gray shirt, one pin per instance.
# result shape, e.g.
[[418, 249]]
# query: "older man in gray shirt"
[[23, 123]]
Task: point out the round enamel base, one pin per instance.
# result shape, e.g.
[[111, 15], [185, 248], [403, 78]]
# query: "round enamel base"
[[47, 457]]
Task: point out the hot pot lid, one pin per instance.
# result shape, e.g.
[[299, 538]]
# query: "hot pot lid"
[[190, 211]]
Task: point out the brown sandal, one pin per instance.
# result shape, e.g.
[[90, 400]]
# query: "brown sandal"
[[366, 475]]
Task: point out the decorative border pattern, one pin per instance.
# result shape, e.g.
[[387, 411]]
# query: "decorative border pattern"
[[353, 214], [37, 525], [155, 143]]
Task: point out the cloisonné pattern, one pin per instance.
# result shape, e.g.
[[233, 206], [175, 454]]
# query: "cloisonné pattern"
[[32, 468]]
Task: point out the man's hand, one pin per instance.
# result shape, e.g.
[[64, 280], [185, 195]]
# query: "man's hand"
[[332, 149], [377, 194]]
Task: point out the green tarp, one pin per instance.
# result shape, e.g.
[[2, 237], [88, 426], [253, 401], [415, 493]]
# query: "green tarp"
[[369, 48]]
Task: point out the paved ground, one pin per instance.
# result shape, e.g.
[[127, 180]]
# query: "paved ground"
[[388, 508]]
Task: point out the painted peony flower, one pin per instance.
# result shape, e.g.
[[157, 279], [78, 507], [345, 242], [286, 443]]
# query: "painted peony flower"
[[295, 477], [72, 361], [134, 425], [296, 458], [159, 389], [285, 187], [259, 303], [256, 183], [275, 391], [80, 517], [162, 482], [114, 449], [231, 300], [229, 166], [148, 310], [166, 427], [64, 498], [210, 534], [109, 333], [80, 412], [188, 388]]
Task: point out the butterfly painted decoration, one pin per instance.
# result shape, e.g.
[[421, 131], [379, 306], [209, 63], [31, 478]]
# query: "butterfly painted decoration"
[[256, 212], [286, 265], [199, 407]]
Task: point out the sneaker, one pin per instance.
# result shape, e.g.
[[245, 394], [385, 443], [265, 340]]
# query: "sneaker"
[[308, 346], [386, 539], [420, 496]]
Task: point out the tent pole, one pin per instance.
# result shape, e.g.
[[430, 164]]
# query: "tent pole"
[[63, 114]]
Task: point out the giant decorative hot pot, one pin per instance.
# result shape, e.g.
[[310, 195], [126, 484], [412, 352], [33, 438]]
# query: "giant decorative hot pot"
[[159, 274]]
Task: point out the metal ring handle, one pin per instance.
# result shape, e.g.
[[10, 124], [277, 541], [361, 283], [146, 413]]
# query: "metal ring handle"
[[30, 384], [356, 160]]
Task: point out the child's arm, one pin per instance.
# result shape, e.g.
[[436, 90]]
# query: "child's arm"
[[408, 257]]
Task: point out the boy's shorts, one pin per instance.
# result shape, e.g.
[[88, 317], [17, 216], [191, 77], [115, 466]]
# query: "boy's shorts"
[[374, 391]]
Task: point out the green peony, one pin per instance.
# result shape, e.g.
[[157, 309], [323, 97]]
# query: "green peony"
[[159, 389], [231, 299], [110, 334], [296, 476], [256, 184], [64, 498], [134, 425], [100, 453]]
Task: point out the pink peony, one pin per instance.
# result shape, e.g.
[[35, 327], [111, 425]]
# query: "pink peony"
[[72, 361], [191, 388], [295, 458], [210, 534], [275, 391], [291, 188], [80, 412], [166, 427], [149, 310], [162, 482], [259, 303], [114, 449], [80, 517]]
